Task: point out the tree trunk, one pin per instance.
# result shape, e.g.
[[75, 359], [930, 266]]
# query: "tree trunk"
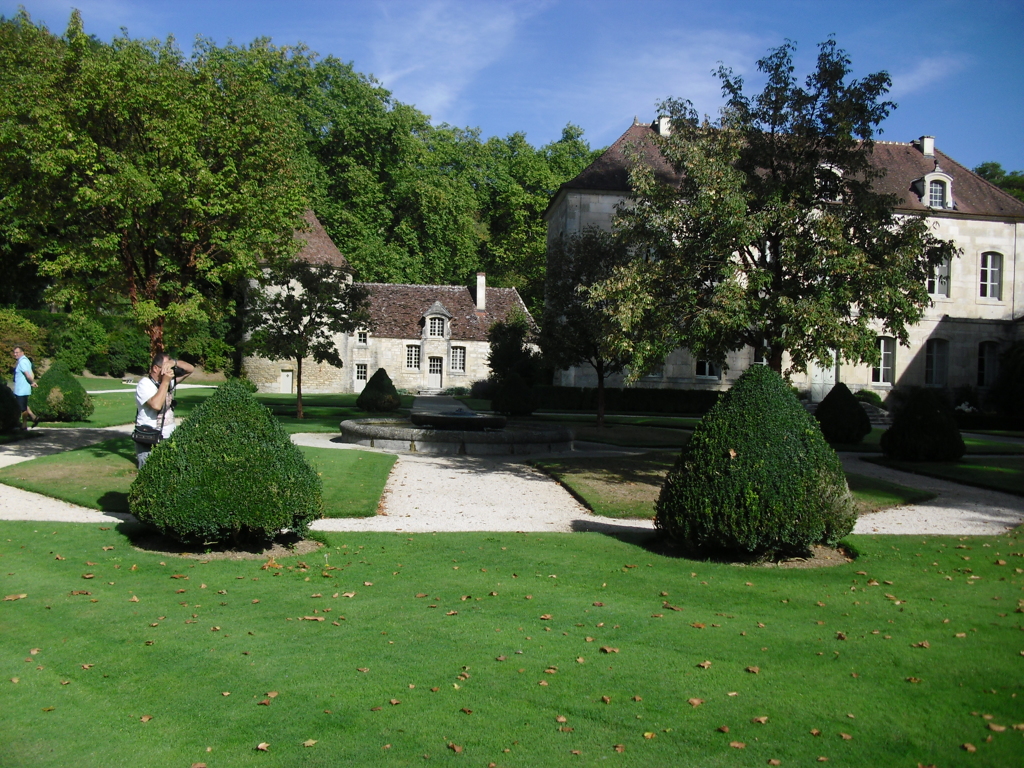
[[155, 331], [775, 360], [298, 388], [599, 368]]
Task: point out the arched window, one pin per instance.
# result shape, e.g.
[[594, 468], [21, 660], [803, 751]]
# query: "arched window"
[[988, 363], [936, 362], [885, 371], [991, 282]]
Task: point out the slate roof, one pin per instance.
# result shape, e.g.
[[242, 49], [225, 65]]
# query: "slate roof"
[[317, 247], [903, 162], [397, 311]]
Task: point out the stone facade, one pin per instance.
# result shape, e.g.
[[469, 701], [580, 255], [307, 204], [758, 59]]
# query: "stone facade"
[[955, 345]]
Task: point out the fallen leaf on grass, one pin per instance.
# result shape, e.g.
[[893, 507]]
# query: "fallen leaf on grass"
[[922, 644], [845, 736], [637, 698], [620, 748], [773, 761], [312, 618], [394, 702], [264, 703], [608, 649], [264, 746], [455, 748], [968, 747], [815, 732], [467, 711], [348, 594], [996, 728], [599, 605], [649, 735], [452, 613], [309, 742], [271, 694], [73, 593], [146, 718], [606, 699], [580, 660], [737, 745], [705, 664], [754, 670], [697, 625], [545, 616], [133, 599], [723, 729], [695, 702], [762, 720]]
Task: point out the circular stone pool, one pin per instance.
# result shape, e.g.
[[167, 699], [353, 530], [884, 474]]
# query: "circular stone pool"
[[400, 435]]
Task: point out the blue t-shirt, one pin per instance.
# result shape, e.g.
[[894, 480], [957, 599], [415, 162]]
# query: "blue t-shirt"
[[21, 385]]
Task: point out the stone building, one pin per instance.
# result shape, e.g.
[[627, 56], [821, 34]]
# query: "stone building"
[[427, 337], [977, 299]]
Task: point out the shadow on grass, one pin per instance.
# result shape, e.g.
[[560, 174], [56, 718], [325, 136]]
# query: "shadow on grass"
[[114, 501], [149, 539]]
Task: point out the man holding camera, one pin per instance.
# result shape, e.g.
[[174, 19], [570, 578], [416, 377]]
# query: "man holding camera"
[[154, 399]]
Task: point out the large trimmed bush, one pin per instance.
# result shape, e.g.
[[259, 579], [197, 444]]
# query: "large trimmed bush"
[[841, 417], [229, 473], [15, 330], [59, 396], [924, 429], [379, 394], [757, 479]]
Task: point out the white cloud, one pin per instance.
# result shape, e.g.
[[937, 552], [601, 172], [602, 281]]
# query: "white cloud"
[[428, 53], [928, 71]]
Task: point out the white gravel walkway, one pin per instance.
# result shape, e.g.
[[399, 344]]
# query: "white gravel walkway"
[[461, 493]]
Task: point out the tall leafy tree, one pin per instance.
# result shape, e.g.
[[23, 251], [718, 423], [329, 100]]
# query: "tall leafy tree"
[[1012, 181], [576, 330], [775, 237], [142, 177], [298, 312]]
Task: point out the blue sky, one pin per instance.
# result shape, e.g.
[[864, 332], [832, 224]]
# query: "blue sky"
[[535, 65]]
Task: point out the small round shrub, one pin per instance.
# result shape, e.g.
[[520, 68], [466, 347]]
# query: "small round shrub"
[[227, 474], [10, 413], [514, 396], [924, 429], [379, 394], [757, 480], [870, 397], [59, 396], [841, 418]]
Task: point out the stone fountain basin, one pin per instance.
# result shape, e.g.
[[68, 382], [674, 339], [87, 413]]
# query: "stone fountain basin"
[[402, 436], [460, 418]]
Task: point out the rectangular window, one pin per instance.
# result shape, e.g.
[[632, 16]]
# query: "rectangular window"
[[938, 282], [936, 362], [362, 337], [991, 276], [412, 357], [707, 370], [884, 372], [437, 327], [458, 359], [360, 371], [937, 194], [988, 363]]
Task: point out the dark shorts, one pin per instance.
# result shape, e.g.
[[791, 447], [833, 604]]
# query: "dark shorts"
[[22, 402]]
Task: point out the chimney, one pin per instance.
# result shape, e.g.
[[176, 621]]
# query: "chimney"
[[664, 125], [927, 146], [481, 291]]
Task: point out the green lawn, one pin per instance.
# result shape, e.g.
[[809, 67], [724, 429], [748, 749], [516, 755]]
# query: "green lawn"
[[977, 446], [99, 476], [506, 649], [628, 486], [995, 472]]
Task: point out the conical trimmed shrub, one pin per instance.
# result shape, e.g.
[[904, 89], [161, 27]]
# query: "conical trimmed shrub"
[[229, 473], [757, 480], [841, 417], [379, 394], [59, 396], [924, 429]]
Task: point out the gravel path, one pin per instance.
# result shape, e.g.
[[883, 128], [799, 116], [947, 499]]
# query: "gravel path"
[[462, 493]]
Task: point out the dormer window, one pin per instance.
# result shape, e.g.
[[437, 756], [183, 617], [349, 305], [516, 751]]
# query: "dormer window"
[[436, 322], [935, 189]]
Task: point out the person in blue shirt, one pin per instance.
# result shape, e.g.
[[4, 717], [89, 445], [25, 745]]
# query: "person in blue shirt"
[[23, 383]]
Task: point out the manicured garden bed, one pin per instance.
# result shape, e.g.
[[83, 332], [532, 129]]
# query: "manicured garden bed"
[[997, 473], [506, 649], [98, 477], [628, 486]]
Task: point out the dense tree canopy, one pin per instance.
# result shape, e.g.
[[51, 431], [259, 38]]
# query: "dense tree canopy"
[[1010, 181], [140, 176], [775, 237]]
